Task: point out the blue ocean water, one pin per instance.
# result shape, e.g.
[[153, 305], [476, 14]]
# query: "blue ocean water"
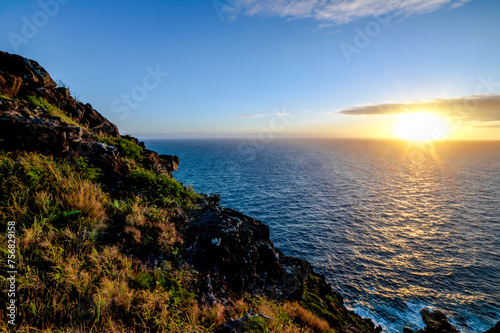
[[395, 227]]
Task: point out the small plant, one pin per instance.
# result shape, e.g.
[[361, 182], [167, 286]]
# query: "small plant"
[[161, 190], [62, 84], [54, 111]]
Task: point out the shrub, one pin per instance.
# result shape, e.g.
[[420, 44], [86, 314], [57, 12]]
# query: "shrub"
[[161, 190], [126, 148]]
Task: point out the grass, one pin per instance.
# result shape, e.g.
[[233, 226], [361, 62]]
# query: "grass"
[[62, 84], [126, 148], [54, 111], [161, 190]]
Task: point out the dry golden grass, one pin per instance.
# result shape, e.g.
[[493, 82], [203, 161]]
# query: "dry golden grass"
[[215, 314], [86, 197], [305, 317], [168, 235], [115, 294]]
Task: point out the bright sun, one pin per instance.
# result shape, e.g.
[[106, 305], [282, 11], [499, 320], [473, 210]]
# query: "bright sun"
[[420, 127]]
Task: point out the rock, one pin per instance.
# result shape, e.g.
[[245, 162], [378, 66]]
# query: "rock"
[[21, 77], [83, 114], [435, 321], [234, 255], [19, 134], [170, 162], [103, 156], [32, 74], [9, 84], [162, 164]]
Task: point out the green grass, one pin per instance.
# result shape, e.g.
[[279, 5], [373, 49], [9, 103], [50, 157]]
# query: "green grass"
[[54, 111], [161, 190], [126, 147]]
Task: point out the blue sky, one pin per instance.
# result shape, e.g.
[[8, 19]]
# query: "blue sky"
[[241, 67]]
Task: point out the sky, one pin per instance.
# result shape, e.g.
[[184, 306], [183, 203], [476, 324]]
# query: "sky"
[[283, 68]]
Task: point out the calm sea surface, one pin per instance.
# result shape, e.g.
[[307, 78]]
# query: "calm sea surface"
[[394, 227]]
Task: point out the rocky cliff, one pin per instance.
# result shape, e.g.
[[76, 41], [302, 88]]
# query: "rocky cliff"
[[118, 208]]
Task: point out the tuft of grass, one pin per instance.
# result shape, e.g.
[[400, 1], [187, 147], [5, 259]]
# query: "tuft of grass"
[[54, 111], [62, 84], [161, 190], [126, 148]]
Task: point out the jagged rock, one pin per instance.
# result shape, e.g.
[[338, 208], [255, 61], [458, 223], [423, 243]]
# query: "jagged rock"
[[9, 84], [235, 255], [21, 77], [104, 156], [32, 74], [234, 252], [163, 164], [435, 321], [170, 162], [83, 114]]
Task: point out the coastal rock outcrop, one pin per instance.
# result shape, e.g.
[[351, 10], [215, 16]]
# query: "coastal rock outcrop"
[[37, 116], [435, 321], [22, 76], [235, 255]]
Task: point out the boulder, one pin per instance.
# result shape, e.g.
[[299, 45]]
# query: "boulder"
[[435, 321], [234, 255], [163, 164], [32, 74], [10, 84]]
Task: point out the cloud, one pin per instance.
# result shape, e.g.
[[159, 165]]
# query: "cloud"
[[280, 114], [480, 108], [337, 11], [488, 126]]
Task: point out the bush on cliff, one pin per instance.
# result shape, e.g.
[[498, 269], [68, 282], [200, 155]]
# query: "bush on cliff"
[[126, 148]]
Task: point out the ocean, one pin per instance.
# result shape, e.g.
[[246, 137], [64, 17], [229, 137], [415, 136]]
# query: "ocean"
[[395, 227]]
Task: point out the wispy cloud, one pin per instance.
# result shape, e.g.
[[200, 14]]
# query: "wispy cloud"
[[279, 114], [480, 108], [337, 11]]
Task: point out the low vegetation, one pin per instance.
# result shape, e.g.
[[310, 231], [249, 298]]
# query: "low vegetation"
[[126, 147]]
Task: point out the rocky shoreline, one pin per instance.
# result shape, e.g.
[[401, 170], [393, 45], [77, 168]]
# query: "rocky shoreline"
[[232, 253]]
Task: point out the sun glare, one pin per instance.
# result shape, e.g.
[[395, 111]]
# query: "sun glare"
[[420, 127]]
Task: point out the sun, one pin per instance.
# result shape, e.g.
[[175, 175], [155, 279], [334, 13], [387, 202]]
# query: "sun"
[[420, 126]]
